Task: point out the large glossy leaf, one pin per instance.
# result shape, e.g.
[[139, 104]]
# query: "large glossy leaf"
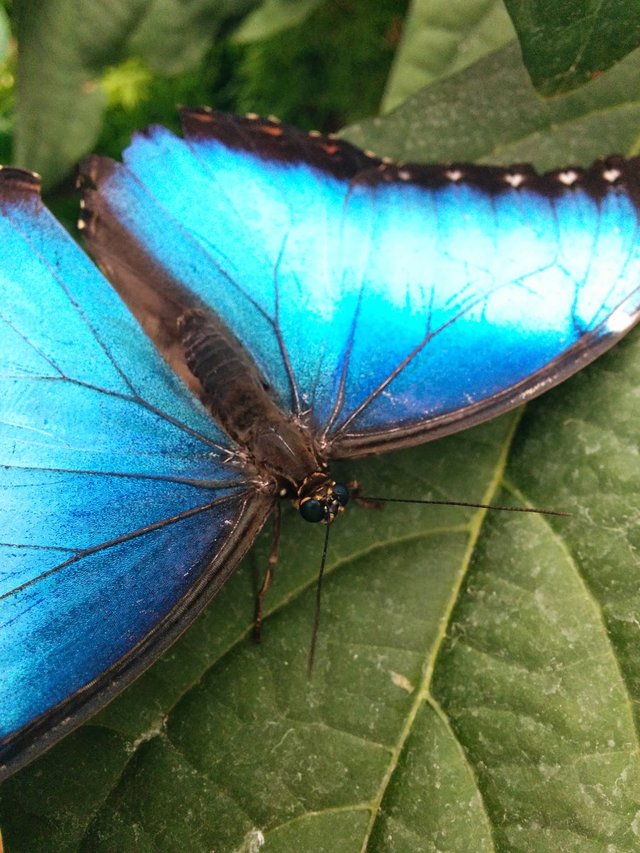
[[567, 44], [491, 113], [440, 37], [477, 674]]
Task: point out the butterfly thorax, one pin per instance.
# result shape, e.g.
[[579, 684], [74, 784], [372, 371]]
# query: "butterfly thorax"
[[238, 397]]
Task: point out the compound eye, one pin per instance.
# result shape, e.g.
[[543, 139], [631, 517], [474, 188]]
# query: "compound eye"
[[312, 510], [341, 494]]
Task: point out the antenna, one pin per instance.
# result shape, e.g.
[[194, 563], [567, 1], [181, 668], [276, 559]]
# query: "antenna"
[[316, 617], [537, 510]]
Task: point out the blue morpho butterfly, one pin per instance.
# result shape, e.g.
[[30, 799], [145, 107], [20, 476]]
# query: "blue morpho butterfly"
[[320, 302]]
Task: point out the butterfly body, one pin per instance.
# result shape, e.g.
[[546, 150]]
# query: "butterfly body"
[[317, 303], [281, 447]]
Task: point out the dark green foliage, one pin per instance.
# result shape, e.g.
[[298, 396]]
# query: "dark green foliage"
[[335, 65]]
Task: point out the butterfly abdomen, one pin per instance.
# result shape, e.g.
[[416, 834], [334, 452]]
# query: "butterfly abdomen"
[[240, 400], [232, 385]]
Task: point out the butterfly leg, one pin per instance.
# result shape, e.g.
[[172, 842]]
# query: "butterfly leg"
[[355, 493], [268, 575]]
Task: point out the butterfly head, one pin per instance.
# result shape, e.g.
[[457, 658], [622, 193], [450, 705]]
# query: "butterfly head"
[[321, 499]]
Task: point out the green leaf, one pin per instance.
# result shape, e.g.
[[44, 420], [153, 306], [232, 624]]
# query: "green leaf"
[[442, 37], [477, 674], [490, 113], [174, 36], [565, 45], [59, 105], [64, 48], [5, 36], [539, 673], [273, 16]]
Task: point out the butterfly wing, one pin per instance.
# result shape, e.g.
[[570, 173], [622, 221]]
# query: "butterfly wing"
[[397, 303], [119, 514]]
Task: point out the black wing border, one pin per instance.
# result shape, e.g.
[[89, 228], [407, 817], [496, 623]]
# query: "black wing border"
[[571, 361]]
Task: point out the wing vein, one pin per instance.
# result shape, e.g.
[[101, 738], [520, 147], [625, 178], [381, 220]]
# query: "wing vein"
[[118, 540]]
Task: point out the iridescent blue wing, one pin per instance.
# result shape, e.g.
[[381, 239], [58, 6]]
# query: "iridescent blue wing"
[[119, 512], [396, 303]]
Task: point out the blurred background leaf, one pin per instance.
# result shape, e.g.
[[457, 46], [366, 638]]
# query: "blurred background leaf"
[[64, 49], [478, 678], [441, 37], [273, 16]]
